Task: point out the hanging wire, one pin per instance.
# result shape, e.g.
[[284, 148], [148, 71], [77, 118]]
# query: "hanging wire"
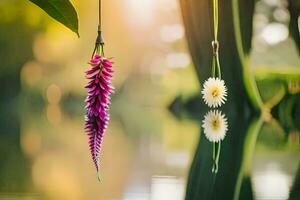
[[100, 38], [216, 63], [215, 43], [99, 41], [216, 18], [100, 16]]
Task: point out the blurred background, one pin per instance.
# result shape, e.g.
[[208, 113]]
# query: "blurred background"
[[153, 149]]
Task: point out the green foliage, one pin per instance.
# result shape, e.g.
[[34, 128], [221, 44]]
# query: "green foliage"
[[61, 10], [14, 52], [243, 21], [294, 9], [246, 11]]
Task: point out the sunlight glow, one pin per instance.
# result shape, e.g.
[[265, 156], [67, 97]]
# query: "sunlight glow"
[[53, 94], [275, 33], [31, 142], [167, 187], [272, 183], [178, 60], [168, 5], [31, 73], [53, 114], [141, 12], [171, 33], [54, 176]]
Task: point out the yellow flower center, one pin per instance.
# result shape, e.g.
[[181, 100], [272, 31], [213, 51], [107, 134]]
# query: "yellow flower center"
[[215, 92], [215, 124]]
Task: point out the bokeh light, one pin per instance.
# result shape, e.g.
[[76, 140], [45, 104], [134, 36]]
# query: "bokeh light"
[[53, 94], [274, 33], [171, 33], [31, 142], [177, 60], [54, 114], [31, 73]]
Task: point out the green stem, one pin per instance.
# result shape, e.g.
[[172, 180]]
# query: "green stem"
[[213, 68], [218, 157], [102, 50], [98, 176], [247, 154], [218, 66], [214, 157], [248, 78]]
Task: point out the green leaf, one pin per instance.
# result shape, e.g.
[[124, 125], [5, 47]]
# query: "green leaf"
[[294, 9], [61, 10], [246, 12]]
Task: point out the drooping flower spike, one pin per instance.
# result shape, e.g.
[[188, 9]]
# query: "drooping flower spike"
[[99, 89], [97, 101]]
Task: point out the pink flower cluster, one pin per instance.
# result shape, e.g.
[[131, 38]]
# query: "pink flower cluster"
[[99, 89]]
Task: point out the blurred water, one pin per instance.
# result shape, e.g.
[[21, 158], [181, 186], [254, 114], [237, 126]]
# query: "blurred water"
[[53, 161]]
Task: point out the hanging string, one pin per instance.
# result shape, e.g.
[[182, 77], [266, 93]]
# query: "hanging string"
[[100, 16], [216, 18], [99, 44], [100, 37], [216, 64], [215, 43]]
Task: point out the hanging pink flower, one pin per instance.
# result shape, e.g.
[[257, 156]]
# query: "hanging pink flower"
[[99, 89]]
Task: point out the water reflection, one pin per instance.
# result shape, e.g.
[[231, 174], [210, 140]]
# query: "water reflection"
[[271, 182], [269, 176], [148, 163], [247, 170]]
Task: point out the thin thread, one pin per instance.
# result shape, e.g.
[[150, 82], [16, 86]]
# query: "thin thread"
[[219, 66], [99, 40], [216, 18], [100, 16], [213, 70], [215, 43]]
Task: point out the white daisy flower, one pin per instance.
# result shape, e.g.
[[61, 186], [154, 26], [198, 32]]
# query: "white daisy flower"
[[215, 125], [214, 92]]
